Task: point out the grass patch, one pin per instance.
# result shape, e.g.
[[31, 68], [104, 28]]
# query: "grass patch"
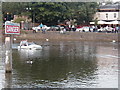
[[23, 32]]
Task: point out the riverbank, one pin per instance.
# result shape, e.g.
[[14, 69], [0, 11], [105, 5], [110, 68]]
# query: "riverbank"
[[68, 36]]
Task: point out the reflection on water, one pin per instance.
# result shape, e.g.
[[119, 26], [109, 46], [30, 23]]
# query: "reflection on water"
[[29, 54], [66, 64], [2, 75], [8, 80]]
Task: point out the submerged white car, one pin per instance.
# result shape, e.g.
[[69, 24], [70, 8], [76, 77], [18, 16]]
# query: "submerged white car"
[[30, 45]]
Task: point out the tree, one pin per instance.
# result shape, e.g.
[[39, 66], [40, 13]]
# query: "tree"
[[51, 13], [84, 13], [96, 21], [10, 9], [18, 20]]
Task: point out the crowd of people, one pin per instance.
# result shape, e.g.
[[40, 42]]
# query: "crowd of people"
[[112, 29], [91, 28]]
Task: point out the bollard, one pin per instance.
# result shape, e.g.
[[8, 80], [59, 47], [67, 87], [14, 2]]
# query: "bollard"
[[8, 81], [8, 55]]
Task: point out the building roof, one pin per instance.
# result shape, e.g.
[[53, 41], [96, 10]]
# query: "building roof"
[[110, 7]]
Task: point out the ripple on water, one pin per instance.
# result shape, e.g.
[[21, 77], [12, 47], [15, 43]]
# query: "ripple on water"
[[2, 73]]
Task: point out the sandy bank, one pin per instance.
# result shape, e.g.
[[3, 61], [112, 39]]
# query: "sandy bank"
[[81, 36]]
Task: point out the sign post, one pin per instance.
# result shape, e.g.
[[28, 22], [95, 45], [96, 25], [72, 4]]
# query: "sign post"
[[10, 29]]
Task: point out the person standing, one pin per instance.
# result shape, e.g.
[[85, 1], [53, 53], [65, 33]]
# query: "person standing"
[[116, 29], [43, 30]]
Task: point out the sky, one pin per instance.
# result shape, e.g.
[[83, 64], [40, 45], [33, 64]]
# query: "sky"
[[115, 0]]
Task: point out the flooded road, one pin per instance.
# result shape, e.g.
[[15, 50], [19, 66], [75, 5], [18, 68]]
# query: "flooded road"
[[2, 72], [64, 65]]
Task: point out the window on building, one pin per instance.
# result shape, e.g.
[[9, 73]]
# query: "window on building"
[[107, 15], [114, 15]]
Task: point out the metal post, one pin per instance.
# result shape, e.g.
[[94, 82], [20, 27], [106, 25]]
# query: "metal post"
[[33, 18], [22, 25], [1, 23], [8, 80], [8, 54]]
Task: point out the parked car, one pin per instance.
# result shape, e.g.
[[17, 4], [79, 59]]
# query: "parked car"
[[56, 28], [85, 29], [46, 27], [79, 29], [101, 29], [38, 28], [106, 29], [110, 29]]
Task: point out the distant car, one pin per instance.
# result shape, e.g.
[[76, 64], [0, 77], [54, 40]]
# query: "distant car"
[[79, 29], [38, 28], [110, 29], [106, 29], [56, 28], [101, 29], [46, 27], [84, 29]]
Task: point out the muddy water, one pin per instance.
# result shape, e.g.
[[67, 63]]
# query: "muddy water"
[[64, 65]]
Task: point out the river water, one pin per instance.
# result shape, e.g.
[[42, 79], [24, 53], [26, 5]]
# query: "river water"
[[71, 64]]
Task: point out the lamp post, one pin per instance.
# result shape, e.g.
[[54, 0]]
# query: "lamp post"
[[33, 15], [22, 25], [28, 10], [7, 17]]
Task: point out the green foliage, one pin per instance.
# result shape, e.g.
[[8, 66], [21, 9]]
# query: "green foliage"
[[51, 12], [13, 8], [84, 13], [18, 20], [96, 21], [23, 32]]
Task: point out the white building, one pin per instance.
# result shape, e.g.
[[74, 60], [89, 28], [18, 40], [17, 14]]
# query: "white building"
[[108, 14]]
